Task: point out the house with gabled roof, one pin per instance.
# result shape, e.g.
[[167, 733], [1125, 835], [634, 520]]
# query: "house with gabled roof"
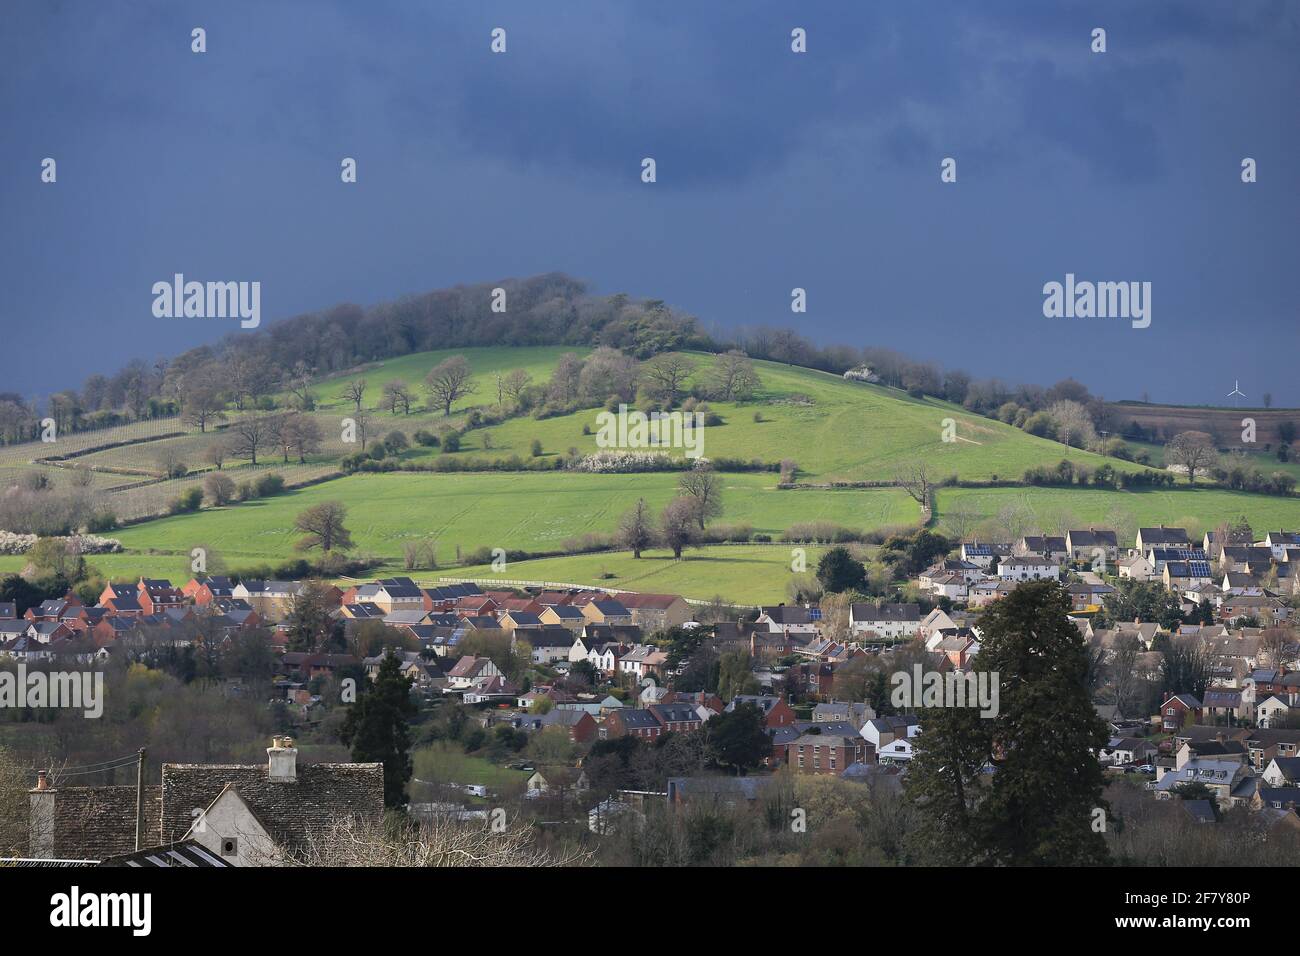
[[1051, 547], [1161, 537], [890, 621], [656, 612], [1090, 544], [607, 611], [246, 815]]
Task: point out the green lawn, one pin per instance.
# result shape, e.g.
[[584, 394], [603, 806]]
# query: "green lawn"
[[446, 762]]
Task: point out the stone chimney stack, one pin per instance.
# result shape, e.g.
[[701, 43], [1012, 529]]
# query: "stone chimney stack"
[[282, 758]]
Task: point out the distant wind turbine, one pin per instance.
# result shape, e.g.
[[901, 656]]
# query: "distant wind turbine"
[[1236, 390]]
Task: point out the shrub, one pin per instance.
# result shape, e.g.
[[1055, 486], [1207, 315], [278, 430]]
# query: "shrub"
[[426, 439], [536, 447], [269, 485], [219, 488], [188, 500]]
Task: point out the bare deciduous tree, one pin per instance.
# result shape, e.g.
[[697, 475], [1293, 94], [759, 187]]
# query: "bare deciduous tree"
[[914, 477], [323, 527], [355, 392], [449, 381], [250, 435], [636, 529], [734, 378], [1192, 450], [677, 524], [398, 397], [439, 841], [704, 488], [667, 374]]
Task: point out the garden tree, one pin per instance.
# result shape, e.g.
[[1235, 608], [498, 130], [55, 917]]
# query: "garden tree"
[[1124, 680], [1037, 808], [377, 728], [309, 620], [738, 738], [322, 527], [1143, 601], [1272, 642], [736, 675], [398, 397], [248, 654], [835, 607], [665, 376], [355, 392], [442, 841], [703, 486], [563, 386], [1185, 668], [1286, 431], [448, 382], [733, 376], [839, 571], [515, 382], [249, 435], [677, 524], [219, 488], [512, 658], [636, 530], [15, 787], [57, 558], [1192, 450], [552, 745], [855, 678]]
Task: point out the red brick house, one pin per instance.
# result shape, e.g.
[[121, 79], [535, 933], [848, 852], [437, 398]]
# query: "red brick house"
[[776, 712], [631, 721], [1174, 712], [825, 753]]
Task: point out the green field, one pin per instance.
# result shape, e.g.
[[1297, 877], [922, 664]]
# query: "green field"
[[515, 511], [744, 574], [1053, 509]]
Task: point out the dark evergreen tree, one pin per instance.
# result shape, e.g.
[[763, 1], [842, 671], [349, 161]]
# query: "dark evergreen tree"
[[377, 728], [1041, 804], [838, 571]]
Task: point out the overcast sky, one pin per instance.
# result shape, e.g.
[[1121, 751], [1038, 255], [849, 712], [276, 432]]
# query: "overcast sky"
[[775, 170]]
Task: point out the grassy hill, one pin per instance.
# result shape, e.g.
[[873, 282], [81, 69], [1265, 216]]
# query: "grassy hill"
[[834, 429]]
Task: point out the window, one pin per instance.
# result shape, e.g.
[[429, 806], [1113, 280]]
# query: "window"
[[229, 846]]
